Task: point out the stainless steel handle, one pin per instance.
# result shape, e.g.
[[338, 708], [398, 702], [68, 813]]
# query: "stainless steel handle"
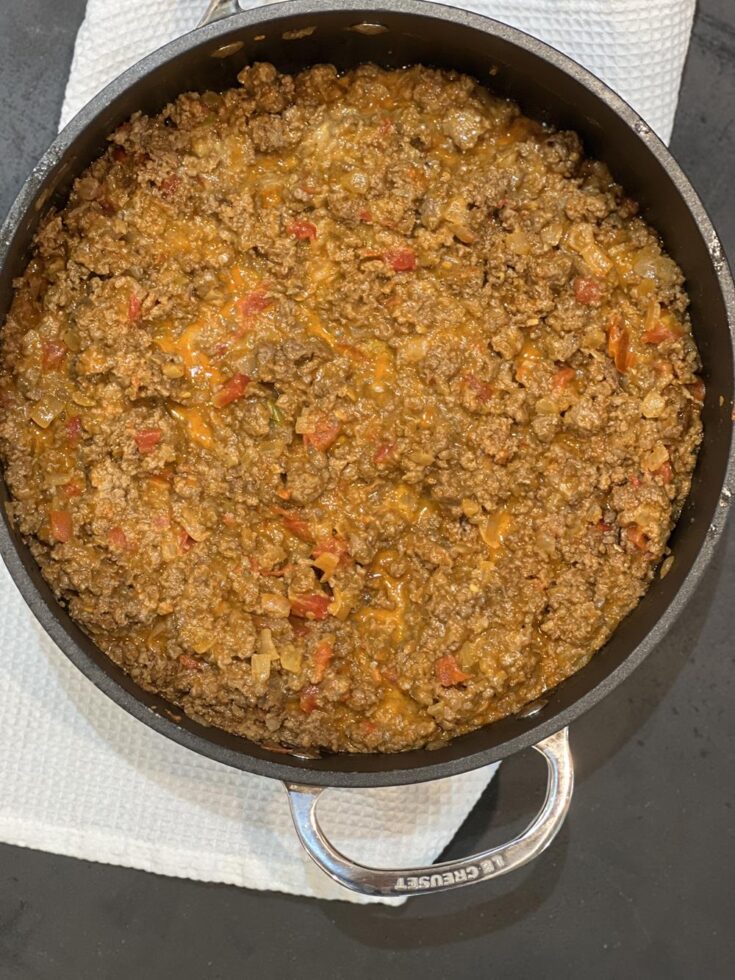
[[448, 874], [218, 9]]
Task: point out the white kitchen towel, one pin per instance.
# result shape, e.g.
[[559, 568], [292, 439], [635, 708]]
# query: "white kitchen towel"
[[79, 776], [637, 46]]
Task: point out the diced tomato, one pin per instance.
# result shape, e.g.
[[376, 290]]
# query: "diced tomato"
[[698, 390], [587, 290], [147, 439], [383, 453], [185, 540], [401, 260], [72, 489], [117, 539], [311, 605], [448, 672], [665, 472], [169, 184], [322, 658], [332, 545], [386, 126], [190, 663], [73, 429], [660, 332], [303, 230], [634, 480], [562, 378], [61, 525], [637, 537], [232, 390], [53, 354], [365, 214], [308, 699], [134, 308], [253, 303], [618, 344], [480, 389], [297, 526], [323, 435], [603, 526]]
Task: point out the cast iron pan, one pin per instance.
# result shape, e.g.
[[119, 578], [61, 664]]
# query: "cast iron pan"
[[552, 89]]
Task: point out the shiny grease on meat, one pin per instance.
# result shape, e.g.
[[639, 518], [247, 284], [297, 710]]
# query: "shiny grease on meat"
[[348, 412]]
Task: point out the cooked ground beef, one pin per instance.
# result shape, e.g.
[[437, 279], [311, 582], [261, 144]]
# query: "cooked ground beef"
[[348, 412]]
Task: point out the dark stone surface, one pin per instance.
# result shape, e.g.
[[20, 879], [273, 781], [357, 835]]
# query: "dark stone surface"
[[639, 882]]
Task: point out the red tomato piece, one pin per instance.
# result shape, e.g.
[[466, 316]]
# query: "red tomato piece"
[[117, 539], [134, 308], [190, 663], [61, 524], [303, 230], [169, 184], [562, 378], [665, 472], [311, 605], [448, 672], [587, 290], [323, 435], [53, 354], [659, 333], [365, 214], [401, 260], [308, 699], [297, 526], [147, 439], [480, 389], [384, 452], [322, 658], [72, 489], [232, 390], [73, 429], [253, 303]]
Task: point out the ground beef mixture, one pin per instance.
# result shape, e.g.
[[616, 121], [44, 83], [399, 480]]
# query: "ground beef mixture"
[[348, 412]]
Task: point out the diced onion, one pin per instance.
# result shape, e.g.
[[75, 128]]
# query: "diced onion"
[[291, 659], [275, 604], [260, 666], [266, 646], [46, 410], [327, 562]]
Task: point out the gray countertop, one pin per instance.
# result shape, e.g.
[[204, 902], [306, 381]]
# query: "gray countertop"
[[640, 881]]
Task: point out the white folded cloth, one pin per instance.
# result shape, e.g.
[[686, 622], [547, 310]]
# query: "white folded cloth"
[[78, 775], [637, 46]]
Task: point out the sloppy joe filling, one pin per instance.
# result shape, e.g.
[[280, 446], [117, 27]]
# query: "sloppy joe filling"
[[348, 412]]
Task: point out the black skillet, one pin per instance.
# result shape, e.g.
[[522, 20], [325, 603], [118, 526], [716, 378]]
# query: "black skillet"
[[553, 89]]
